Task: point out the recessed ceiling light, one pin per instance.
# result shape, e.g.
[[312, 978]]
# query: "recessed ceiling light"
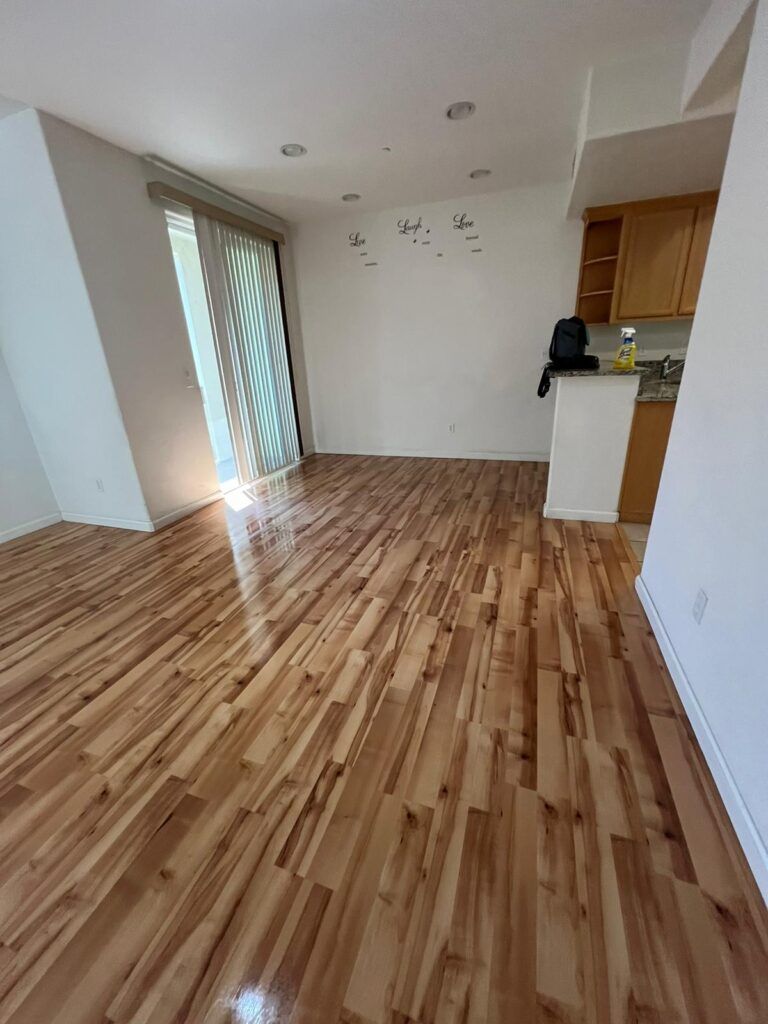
[[350, 197], [481, 172], [293, 149], [458, 111]]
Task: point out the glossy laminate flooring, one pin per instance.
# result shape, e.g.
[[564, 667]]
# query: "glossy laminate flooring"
[[382, 745]]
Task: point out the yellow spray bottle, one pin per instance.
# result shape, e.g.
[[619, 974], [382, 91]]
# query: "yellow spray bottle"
[[625, 357]]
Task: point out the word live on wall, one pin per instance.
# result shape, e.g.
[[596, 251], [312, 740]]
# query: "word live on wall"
[[417, 232]]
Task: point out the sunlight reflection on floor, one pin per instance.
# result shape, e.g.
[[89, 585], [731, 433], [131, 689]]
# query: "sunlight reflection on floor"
[[239, 499]]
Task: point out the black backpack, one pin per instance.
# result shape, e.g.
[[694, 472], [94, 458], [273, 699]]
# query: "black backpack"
[[569, 339], [566, 351]]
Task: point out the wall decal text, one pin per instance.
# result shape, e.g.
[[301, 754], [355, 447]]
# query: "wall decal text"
[[462, 223], [409, 227]]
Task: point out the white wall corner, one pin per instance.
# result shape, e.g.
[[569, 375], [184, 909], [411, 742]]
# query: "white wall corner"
[[31, 526], [742, 821], [143, 525], [717, 53], [581, 136], [185, 510]]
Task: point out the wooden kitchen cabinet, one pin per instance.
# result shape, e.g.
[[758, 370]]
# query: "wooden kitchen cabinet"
[[644, 260], [646, 451], [702, 231], [653, 262]]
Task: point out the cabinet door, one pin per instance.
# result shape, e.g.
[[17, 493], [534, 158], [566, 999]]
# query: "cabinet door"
[[654, 258], [702, 231], [645, 459]]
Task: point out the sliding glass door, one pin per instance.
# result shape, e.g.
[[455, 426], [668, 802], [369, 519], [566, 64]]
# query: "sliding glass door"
[[243, 288]]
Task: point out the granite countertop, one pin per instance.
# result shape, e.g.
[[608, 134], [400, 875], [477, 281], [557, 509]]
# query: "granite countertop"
[[657, 391], [606, 370], [651, 389]]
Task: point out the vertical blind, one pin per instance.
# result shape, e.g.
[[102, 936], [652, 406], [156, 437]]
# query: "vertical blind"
[[240, 272]]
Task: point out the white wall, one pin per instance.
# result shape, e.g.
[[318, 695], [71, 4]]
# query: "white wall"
[[92, 327], [399, 351], [709, 527], [51, 342], [638, 92], [122, 243], [715, 58], [654, 339], [26, 499]]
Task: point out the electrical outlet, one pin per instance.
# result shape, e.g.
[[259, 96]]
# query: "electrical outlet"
[[99, 484], [699, 605]]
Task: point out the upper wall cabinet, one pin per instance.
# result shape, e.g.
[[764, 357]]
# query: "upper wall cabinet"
[[654, 255], [702, 230], [644, 260]]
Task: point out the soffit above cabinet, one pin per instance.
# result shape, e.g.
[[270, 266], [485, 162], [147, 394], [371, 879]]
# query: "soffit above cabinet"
[[668, 160]]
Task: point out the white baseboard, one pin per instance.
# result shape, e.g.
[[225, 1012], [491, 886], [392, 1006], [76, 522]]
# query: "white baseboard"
[[121, 524], [588, 515], [30, 526], [743, 822], [185, 510], [437, 453], [145, 525]]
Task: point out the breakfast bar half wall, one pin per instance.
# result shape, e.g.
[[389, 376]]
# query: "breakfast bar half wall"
[[593, 419]]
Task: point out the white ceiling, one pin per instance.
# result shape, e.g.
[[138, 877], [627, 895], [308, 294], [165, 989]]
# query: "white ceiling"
[[218, 87]]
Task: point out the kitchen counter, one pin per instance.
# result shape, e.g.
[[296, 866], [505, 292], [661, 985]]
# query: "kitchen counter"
[[603, 371], [665, 393], [593, 417], [651, 389], [655, 388]]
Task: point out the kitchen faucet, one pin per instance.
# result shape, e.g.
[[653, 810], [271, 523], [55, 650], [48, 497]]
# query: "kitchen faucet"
[[666, 369]]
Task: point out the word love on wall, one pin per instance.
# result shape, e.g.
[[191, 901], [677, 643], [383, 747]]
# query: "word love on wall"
[[461, 222], [357, 241]]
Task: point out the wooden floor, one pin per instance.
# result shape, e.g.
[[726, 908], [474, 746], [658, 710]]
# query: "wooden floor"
[[381, 746]]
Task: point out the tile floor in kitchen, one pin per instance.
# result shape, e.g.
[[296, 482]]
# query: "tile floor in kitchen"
[[637, 535]]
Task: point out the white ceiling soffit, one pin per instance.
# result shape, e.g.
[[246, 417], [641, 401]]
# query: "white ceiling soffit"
[[8, 107], [219, 87], [671, 159], [718, 52]]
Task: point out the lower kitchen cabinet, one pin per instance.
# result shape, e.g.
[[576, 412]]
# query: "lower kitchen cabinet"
[[645, 458]]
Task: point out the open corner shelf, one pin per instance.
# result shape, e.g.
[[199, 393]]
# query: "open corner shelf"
[[601, 259]]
